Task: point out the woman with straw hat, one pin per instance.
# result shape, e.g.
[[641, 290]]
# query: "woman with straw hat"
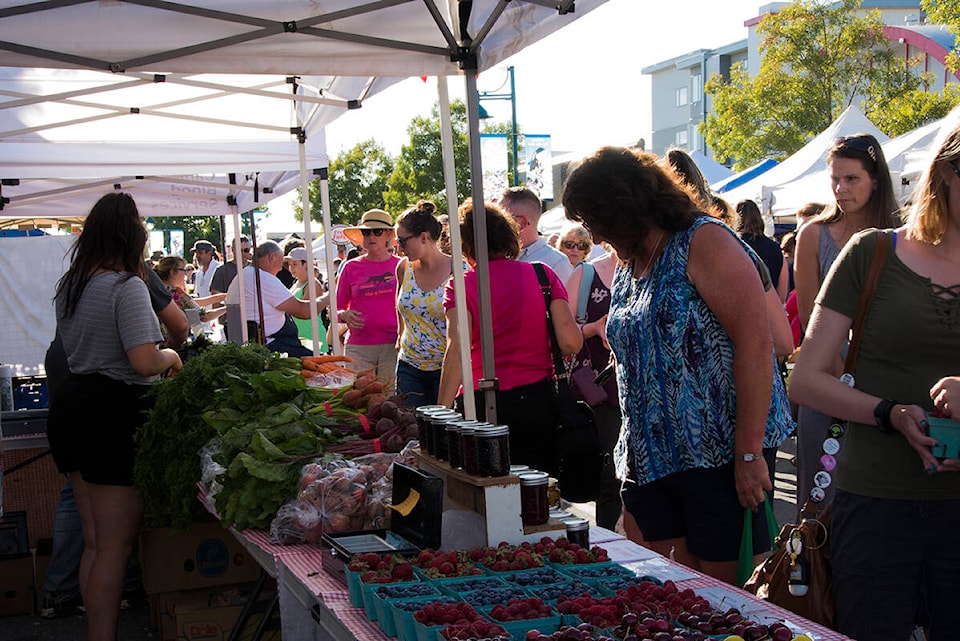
[[366, 297]]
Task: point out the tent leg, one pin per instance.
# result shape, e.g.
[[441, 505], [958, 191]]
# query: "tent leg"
[[459, 289], [488, 384]]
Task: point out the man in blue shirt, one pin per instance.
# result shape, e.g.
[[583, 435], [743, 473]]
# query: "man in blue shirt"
[[526, 208]]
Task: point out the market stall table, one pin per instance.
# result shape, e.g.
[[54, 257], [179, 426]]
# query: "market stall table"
[[314, 605]]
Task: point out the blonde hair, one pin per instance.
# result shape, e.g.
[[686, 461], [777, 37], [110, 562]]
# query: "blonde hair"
[[929, 214], [576, 230]]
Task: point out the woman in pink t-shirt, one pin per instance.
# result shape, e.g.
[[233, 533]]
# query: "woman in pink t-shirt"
[[526, 399], [366, 297]]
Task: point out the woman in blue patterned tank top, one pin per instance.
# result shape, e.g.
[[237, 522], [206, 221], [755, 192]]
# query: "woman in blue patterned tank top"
[[702, 404]]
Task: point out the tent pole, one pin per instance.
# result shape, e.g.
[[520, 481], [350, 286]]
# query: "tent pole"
[[450, 182], [335, 346], [488, 384], [235, 212], [308, 236]]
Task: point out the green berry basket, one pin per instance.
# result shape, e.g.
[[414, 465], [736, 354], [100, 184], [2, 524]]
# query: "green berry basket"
[[403, 622], [382, 604]]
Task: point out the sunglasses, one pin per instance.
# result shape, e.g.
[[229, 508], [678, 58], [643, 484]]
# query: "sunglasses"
[[860, 143], [569, 244], [245, 250], [403, 240], [953, 166], [376, 232]]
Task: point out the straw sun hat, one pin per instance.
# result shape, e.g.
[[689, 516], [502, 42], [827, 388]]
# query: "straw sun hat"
[[372, 219]]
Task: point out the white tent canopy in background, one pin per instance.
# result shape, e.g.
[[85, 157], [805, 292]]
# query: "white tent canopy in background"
[[713, 171], [802, 177]]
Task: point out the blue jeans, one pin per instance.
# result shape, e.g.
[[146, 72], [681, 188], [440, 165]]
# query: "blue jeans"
[[418, 386], [63, 572]]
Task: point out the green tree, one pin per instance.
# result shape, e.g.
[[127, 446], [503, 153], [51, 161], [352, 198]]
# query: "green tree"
[[946, 12], [817, 60], [358, 181], [194, 228], [418, 172]]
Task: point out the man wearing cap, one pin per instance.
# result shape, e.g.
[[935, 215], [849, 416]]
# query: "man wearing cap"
[[279, 305], [367, 295], [203, 253], [525, 207]]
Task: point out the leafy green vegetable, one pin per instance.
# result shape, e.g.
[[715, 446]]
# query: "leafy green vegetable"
[[167, 466]]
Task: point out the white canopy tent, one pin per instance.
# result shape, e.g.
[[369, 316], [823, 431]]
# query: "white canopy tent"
[[802, 177], [384, 38]]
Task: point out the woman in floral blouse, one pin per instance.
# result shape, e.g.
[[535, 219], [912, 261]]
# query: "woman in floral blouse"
[[172, 273]]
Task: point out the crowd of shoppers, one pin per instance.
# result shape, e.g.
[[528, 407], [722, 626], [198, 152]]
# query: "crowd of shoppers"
[[686, 304]]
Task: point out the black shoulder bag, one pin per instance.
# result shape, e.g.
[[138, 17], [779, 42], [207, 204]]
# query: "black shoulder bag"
[[578, 456]]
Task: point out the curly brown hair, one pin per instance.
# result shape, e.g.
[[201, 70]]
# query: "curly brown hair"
[[618, 194], [503, 233]]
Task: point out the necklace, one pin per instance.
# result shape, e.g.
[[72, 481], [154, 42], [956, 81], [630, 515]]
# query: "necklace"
[[653, 255]]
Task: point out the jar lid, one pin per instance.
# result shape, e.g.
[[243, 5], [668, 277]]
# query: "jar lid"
[[453, 426], [560, 515], [576, 524], [516, 469], [443, 417], [533, 478], [492, 430], [425, 409]]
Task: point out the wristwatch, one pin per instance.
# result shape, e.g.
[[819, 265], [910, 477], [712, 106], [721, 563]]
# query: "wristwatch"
[[749, 457]]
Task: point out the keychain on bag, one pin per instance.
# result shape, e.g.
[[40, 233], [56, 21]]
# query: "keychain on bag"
[[798, 579]]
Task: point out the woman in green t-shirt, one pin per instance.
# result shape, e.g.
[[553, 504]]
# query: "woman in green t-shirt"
[[297, 263], [896, 512]]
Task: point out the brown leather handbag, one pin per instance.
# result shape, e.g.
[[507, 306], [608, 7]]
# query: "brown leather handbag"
[[771, 579]]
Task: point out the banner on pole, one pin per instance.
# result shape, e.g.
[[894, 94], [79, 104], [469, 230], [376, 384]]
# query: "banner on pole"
[[493, 158], [536, 158]]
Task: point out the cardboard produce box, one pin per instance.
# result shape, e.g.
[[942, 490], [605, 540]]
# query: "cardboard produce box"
[[205, 556], [17, 587], [210, 615]]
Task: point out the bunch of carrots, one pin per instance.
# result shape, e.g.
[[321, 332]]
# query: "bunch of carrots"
[[325, 364]]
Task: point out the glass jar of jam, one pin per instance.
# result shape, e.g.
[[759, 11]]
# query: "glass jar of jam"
[[578, 531], [534, 509], [493, 450], [421, 414], [438, 433], [454, 447], [468, 442]]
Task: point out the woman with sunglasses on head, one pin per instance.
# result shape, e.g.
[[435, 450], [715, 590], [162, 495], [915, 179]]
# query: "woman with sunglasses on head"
[[367, 295], [110, 335], [422, 277], [896, 512], [864, 198], [575, 243]]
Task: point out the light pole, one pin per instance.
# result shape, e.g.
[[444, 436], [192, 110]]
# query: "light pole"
[[512, 97]]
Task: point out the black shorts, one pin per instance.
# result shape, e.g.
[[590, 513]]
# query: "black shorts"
[[91, 426], [699, 505]]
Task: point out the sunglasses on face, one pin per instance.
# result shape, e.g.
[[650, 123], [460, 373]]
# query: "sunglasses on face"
[[402, 240], [570, 244], [376, 232]]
